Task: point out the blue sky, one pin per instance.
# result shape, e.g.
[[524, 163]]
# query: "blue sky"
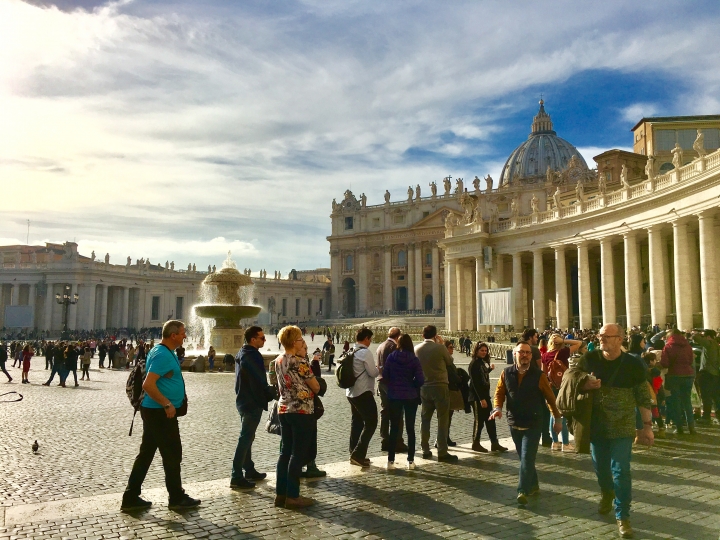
[[178, 130]]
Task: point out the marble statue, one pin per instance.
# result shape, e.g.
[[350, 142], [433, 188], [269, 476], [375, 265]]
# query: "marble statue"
[[92, 255], [209, 269], [33, 257], [334, 205], [193, 268], [579, 192], [433, 189], [107, 258], [514, 210], [602, 186], [363, 200], [417, 192], [650, 167], [549, 175], [476, 183], [699, 144], [410, 193], [488, 184], [129, 261], [556, 198], [213, 268], [190, 267], [172, 265], [387, 196], [534, 203], [677, 159], [447, 185], [459, 188], [624, 178], [167, 265]]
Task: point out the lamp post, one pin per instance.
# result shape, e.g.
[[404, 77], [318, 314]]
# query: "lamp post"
[[66, 300]]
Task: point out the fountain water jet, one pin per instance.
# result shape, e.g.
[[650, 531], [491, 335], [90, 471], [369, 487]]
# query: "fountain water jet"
[[227, 311]]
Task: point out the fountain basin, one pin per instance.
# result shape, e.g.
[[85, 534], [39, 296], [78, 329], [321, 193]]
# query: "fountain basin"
[[227, 316]]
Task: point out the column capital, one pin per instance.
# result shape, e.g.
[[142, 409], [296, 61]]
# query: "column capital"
[[706, 214]]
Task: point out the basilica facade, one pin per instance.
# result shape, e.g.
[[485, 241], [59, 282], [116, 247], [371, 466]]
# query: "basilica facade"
[[630, 241]]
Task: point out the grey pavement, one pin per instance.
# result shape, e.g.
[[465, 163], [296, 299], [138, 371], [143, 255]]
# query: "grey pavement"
[[72, 488]]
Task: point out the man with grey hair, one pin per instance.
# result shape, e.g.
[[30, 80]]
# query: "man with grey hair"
[[164, 388], [383, 351], [527, 390], [617, 381]]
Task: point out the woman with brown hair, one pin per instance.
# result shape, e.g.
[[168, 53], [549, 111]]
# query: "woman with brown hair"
[[479, 396]]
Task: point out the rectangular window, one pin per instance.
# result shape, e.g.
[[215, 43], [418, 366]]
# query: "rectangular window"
[[401, 278], [376, 222], [155, 315], [297, 307], [665, 139], [426, 214], [179, 305], [712, 139], [348, 223], [399, 219], [428, 276], [310, 311], [284, 307], [686, 138]]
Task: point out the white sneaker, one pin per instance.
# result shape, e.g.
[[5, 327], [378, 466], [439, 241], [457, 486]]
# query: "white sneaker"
[[556, 446], [411, 465], [570, 447], [390, 465]]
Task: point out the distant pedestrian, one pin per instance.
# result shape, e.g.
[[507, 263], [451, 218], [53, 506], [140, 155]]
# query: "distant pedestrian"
[[361, 397], [85, 359], [27, 354], [3, 360], [164, 395]]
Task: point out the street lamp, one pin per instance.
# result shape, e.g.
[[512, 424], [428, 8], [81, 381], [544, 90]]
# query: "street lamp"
[[65, 300]]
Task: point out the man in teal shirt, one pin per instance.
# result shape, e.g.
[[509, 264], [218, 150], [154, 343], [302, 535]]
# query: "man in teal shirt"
[[164, 393]]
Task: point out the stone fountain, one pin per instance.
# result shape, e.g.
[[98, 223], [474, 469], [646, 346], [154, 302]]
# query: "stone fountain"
[[226, 309]]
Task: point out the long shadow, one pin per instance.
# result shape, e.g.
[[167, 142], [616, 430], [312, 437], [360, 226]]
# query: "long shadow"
[[420, 504]]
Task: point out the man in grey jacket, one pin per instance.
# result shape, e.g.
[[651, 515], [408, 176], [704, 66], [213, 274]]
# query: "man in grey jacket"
[[434, 394]]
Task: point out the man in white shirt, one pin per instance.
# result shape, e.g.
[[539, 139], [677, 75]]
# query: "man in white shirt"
[[362, 399]]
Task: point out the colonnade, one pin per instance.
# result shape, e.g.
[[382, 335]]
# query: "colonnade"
[[662, 273]]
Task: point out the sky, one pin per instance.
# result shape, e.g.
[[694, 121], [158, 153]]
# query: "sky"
[[181, 130]]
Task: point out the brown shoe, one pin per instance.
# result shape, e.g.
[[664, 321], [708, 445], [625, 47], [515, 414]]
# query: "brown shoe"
[[477, 447], [624, 528], [298, 502], [606, 503], [280, 501]]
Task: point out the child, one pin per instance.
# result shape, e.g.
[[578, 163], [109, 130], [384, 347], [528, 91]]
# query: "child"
[[654, 377], [27, 354]]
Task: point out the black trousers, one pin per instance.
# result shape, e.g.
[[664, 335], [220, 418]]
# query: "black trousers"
[[709, 386], [481, 417], [364, 423], [546, 435], [385, 414], [159, 433]]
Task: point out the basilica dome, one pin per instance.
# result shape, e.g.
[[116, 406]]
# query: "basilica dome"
[[543, 149]]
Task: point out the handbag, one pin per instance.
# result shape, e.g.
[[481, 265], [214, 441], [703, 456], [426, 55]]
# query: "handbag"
[[182, 409], [273, 422], [318, 409]]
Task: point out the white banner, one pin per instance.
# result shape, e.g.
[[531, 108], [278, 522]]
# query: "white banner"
[[495, 306]]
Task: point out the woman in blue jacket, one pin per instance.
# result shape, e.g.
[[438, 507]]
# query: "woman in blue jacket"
[[404, 377]]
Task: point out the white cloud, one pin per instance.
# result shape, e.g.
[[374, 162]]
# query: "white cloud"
[[636, 111]]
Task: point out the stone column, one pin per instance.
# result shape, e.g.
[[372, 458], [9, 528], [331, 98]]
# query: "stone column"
[[72, 308], [362, 288], [584, 296], [88, 300], [460, 295], [387, 280], [451, 313], [539, 300], [658, 276], [335, 267], [497, 276], [632, 279], [419, 272], [410, 276], [607, 281], [104, 306], [708, 271], [49, 303], [480, 278], [15, 295], [436, 277], [125, 307], [561, 289], [694, 260], [517, 286], [468, 296], [683, 300]]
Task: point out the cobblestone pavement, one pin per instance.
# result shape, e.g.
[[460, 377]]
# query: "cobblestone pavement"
[[72, 488]]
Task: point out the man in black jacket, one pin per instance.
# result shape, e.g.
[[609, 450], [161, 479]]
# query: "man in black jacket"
[[252, 392]]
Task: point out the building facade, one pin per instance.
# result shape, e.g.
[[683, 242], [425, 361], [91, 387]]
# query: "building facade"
[[133, 295]]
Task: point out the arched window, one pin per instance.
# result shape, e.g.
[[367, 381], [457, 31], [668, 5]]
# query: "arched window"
[[665, 167], [402, 258], [349, 263]]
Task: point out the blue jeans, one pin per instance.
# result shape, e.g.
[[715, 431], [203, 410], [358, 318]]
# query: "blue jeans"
[[298, 436], [611, 459], [565, 433], [680, 409], [526, 443], [249, 421]]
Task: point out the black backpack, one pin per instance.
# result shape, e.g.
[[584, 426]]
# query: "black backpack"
[[344, 371], [134, 388]]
